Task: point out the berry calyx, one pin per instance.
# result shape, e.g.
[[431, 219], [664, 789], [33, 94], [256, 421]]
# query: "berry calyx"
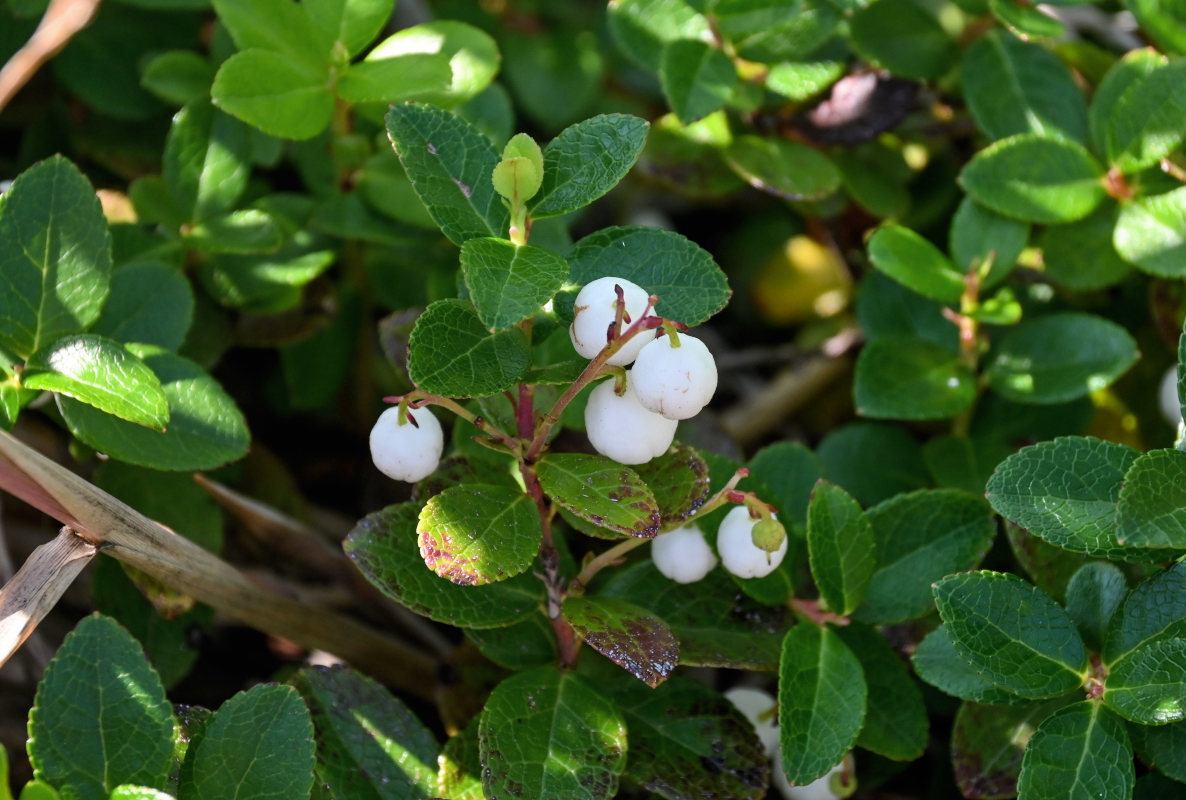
[[739, 554], [595, 313], [620, 428], [675, 377], [682, 555], [410, 449], [769, 535]]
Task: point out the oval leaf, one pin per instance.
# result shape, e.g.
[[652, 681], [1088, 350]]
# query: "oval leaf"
[[601, 491], [587, 160], [1079, 751], [631, 637], [896, 725], [509, 283], [275, 93], [900, 377], [1149, 685], [697, 79], [790, 170], [475, 534], [1149, 120], [150, 303], [1151, 233], [916, 263], [451, 352], [937, 662], [840, 546]]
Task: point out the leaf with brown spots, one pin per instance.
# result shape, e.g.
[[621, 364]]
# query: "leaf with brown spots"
[[476, 534], [679, 479], [631, 637], [602, 491]]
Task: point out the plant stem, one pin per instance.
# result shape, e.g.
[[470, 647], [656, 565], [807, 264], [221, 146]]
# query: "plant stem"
[[567, 641], [605, 559]]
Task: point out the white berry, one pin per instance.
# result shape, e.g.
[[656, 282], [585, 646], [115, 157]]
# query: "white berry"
[[1168, 397], [819, 789], [738, 552], [675, 381], [409, 452], [682, 554], [758, 707], [622, 429], [594, 311]]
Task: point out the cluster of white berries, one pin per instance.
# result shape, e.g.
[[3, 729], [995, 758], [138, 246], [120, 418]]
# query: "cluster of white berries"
[[673, 377]]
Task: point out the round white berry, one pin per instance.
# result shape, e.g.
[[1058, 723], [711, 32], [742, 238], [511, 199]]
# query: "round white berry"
[[819, 789], [594, 311], [1168, 397], [409, 452], [622, 429], [738, 552], [675, 381], [682, 554], [758, 707]]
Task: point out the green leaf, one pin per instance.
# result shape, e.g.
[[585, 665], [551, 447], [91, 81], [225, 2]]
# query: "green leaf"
[[873, 177], [978, 234], [1151, 233], [601, 491], [150, 303], [1060, 357], [1149, 120], [384, 547], [821, 701], [509, 283], [555, 73], [587, 160], [902, 377], [178, 76], [960, 462], [206, 428], [100, 718], [1162, 747], [1094, 593], [1035, 179], [1151, 511], [723, 628], [548, 733], [247, 231], [207, 160], [1012, 633], [630, 636], [988, 743], [697, 79], [1079, 751], [920, 537], [258, 746], [139, 793], [1164, 20], [873, 461], [689, 284], [641, 28], [1081, 255], [275, 93], [679, 481], [840, 545], [1014, 87], [476, 534], [531, 643], [937, 662], [903, 38], [789, 471], [452, 354], [775, 30], [1120, 77], [887, 308], [1148, 686], [472, 54], [370, 746], [279, 26], [1154, 611], [38, 790], [413, 76], [916, 263], [100, 373], [1065, 491], [55, 256], [896, 724], [449, 163], [460, 766], [354, 23], [790, 170], [1026, 21]]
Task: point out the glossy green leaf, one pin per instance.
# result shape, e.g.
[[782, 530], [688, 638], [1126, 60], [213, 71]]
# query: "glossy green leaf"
[[548, 733], [178, 76], [1081, 255], [397, 79], [631, 637], [100, 718], [451, 353], [1151, 511], [101, 373], [1120, 77], [902, 37], [1035, 179], [723, 628], [907, 378], [790, 472], [449, 162], [641, 28], [988, 743], [821, 701], [206, 428], [1014, 87], [697, 79], [38, 790], [258, 746], [896, 723], [476, 534], [1026, 21], [384, 547], [1149, 685], [55, 256], [1151, 233], [802, 80], [1012, 633], [473, 56], [873, 461], [979, 234], [601, 491], [587, 160], [1060, 357], [150, 303], [1162, 747], [370, 746], [250, 230], [916, 263], [840, 545], [1164, 20], [275, 93], [1094, 593], [775, 30], [689, 284], [509, 283], [1149, 120], [937, 662], [1079, 751], [786, 169], [206, 162], [354, 23], [278, 26], [1153, 611]]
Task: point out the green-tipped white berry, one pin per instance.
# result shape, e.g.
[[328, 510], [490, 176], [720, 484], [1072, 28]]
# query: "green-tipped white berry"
[[739, 554], [409, 452]]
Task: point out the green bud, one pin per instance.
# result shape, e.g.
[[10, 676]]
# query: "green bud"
[[768, 534], [523, 146], [517, 179], [842, 784]]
